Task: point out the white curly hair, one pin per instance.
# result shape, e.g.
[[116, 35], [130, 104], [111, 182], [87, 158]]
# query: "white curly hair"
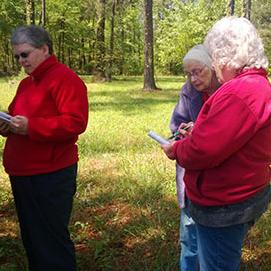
[[235, 43]]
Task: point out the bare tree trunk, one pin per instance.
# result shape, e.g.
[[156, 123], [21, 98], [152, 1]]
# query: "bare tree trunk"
[[247, 9], [149, 83], [82, 55], [63, 46], [100, 63], [61, 37], [70, 57], [30, 11], [43, 13], [91, 52], [122, 57], [7, 63], [112, 37], [231, 7]]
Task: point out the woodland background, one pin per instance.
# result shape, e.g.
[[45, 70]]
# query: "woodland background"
[[106, 37], [125, 215]]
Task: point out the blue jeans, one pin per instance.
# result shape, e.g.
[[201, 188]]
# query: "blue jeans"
[[219, 249], [188, 238]]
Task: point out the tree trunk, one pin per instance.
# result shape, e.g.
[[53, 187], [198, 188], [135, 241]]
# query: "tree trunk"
[[82, 55], [30, 11], [247, 9], [43, 13], [61, 37], [149, 83], [100, 63], [122, 42], [112, 37], [231, 7]]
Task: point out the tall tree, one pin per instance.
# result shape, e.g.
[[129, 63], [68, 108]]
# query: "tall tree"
[[30, 11], [247, 9], [149, 82], [99, 69], [61, 39], [43, 12], [112, 37], [231, 7]]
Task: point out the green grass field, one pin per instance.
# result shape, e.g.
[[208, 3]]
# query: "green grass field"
[[125, 213]]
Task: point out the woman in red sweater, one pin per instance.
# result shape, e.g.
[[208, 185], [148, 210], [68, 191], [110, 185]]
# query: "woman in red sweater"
[[50, 110], [227, 156]]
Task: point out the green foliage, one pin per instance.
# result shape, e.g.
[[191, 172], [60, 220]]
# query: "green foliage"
[[128, 46], [262, 19], [178, 25], [11, 14]]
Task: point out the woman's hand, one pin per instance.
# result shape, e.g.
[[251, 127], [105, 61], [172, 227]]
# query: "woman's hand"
[[168, 150], [185, 129], [19, 125]]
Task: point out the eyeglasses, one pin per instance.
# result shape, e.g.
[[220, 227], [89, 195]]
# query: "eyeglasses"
[[23, 54], [195, 73]]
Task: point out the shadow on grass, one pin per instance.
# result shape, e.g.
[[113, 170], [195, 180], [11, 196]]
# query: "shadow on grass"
[[130, 102], [130, 105], [112, 231], [119, 232], [138, 79], [126, 94], [12, 254], [116, 230]]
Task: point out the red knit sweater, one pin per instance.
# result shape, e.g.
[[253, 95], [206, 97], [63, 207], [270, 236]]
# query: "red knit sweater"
[[54, 99], [228, 154]]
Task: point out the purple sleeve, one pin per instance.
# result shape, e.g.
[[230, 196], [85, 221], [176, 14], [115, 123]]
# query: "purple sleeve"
[[181, 112]]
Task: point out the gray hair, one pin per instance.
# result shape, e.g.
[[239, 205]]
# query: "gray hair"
[[33, 35], [235, 43], [198, 53]]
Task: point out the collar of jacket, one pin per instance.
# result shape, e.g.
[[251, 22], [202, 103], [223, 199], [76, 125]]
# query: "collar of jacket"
[[189, 91], [251, 71], [39, 72]]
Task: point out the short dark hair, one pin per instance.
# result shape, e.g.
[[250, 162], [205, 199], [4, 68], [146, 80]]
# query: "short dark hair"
[[33, 35]]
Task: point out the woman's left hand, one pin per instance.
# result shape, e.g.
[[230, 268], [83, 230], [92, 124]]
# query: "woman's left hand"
[[19, 125], [168, 150]]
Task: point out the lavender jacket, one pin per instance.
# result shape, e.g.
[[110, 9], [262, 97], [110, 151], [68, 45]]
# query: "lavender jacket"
[[186, 110]]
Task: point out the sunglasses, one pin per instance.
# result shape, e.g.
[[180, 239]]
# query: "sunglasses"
[[23, 54]]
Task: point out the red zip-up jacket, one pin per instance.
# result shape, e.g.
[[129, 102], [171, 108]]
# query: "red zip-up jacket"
[[54, 99], [227, 156]]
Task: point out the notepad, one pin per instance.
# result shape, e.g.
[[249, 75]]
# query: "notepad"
[[5, 117]]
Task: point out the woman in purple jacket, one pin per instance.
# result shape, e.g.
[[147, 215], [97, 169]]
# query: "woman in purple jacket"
[[201, 83]]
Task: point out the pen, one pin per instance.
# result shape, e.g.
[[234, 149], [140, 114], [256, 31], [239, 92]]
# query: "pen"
[[178, 133]]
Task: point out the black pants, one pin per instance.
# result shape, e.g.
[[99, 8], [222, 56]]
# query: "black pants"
[[44, 204]]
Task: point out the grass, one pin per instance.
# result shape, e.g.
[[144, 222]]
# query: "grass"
[[125, 213]]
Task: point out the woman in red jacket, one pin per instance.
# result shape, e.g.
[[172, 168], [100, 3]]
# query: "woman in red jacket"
[[227, 156], [50, 110]]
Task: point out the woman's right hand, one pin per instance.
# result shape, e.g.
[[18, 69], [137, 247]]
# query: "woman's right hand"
[[185, 129]]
